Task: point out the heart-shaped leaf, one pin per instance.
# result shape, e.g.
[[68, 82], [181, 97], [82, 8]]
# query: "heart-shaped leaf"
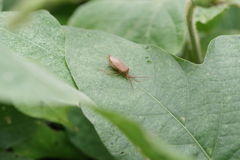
[[192, 107], [147, 22]]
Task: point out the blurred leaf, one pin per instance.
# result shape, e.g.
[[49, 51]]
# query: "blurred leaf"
[[205, 15], [234, 2], [41, 40], [147, 22], [8, 4], [1, 5], [206, 38], [230, 19], [194, 108], [47, 143], [210, 25], [85, 137], [34, 90], [15, 127], [12, 156], [27, 6]]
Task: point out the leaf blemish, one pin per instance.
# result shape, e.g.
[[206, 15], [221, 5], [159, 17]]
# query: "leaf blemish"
[[238, 60], [122, 153], [208, 74], [183, 119], [8, 120]]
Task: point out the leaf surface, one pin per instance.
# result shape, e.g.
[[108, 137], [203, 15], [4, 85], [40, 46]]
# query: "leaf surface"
[[147, 22], [193, 108]]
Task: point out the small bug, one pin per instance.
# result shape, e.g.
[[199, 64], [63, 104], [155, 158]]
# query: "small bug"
[[120, 68]]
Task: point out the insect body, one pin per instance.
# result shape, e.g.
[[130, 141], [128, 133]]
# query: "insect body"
[[121, 68]]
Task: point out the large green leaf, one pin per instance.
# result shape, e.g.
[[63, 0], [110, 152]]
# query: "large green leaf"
[[15, 127], [192, 107], [34, 90], [147, 22], [85, 137], [47, 143], [40, 39]]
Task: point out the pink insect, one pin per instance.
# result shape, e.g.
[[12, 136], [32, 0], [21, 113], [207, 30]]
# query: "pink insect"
[[120, 68]]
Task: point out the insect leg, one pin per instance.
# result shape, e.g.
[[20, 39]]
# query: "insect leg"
[[137, 77], [131, 83]]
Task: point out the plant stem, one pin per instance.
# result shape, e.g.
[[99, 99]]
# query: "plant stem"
[[196, 56]]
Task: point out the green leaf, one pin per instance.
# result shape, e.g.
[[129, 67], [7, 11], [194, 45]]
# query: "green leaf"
[[47, 143], [40, 39], [12, 156], [193, 108], [146, 22], [85, 137], [15, 126], [34, 90]]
